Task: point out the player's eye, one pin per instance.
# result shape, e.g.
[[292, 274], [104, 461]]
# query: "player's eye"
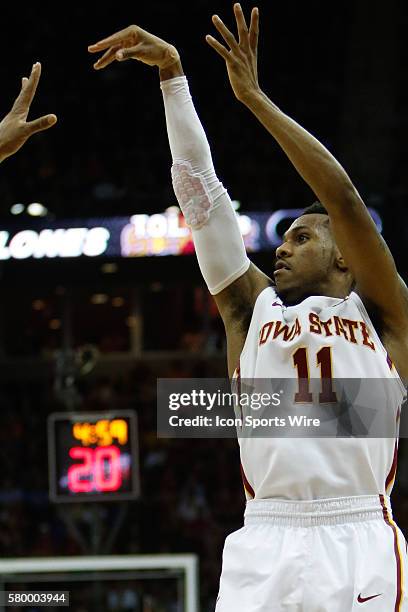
[[302, 237]]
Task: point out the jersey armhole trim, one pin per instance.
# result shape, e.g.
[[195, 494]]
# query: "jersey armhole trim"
[[268, 288], [360, 304]]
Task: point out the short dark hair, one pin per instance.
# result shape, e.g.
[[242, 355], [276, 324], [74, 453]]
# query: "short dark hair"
[[318, 208], [315, 209]]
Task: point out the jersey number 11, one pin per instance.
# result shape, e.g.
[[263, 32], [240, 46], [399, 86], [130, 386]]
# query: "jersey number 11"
[[324, 362]]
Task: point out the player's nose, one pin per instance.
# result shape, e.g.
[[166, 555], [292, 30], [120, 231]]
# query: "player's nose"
[[283, 251]]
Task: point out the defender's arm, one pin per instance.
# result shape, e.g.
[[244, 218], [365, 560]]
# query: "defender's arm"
[[14, 128]]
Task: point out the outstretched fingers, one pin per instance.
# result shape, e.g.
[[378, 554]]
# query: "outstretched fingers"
[[217, 46], [241, 26], [225, 33], [41, 124], [246, 38], [128, 34], [107, 58], [27, 93], [130, 52], [254, 29]]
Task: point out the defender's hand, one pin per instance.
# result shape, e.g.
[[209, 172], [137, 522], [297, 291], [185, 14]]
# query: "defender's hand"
[[135, 43], [242, 57], [14, 129]]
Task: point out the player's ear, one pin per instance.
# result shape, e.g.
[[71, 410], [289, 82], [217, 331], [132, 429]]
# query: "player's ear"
[[343, 268], [341, 264], [339, 261]]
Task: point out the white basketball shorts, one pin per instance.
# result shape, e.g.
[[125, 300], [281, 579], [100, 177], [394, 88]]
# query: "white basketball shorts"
[[330, 555]]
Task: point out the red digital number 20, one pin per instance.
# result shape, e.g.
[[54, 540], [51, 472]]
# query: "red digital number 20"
[[99, 471]]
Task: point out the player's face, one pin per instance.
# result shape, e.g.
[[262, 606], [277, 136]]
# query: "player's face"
[[305, 260]]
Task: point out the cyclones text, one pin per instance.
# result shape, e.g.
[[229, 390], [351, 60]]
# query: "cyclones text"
[[355, 332]]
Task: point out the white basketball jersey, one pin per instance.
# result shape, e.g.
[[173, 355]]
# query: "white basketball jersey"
[[299, 341]]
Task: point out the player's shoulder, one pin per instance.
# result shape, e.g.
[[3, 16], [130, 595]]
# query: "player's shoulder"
[[393, 337], [267, 298]]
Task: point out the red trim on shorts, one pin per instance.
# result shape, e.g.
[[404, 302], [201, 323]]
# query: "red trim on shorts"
[[393, 469], [247, 486], [390, 522]]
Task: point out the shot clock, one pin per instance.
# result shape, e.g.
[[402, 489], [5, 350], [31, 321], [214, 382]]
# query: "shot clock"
[[93, 457]]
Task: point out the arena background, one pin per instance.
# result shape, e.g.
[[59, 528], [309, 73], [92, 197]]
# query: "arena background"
[[340, 70]]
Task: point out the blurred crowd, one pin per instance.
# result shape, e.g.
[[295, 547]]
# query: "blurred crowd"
[[159, 316]]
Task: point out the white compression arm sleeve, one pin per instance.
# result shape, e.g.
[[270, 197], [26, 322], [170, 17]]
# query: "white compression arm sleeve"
[[203, 200]]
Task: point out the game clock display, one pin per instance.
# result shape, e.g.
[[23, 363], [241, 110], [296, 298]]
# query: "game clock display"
[[93, 457]]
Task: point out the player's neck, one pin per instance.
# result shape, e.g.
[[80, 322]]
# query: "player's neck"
[[297, 298]]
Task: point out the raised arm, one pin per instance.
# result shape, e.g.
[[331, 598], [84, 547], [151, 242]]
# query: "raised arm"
[[231, 278], [356, 235], [14, 128]]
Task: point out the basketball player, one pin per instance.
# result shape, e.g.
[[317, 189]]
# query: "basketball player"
[[319, 534], [14, 128]]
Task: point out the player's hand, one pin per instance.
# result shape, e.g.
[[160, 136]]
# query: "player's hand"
[[135, 43], [15, 129], [242, 56]]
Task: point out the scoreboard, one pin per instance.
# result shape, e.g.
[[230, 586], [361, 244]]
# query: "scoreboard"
[[93, 457]]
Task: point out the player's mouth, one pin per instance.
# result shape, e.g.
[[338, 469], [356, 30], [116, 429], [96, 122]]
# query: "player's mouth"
[[280, 267]]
